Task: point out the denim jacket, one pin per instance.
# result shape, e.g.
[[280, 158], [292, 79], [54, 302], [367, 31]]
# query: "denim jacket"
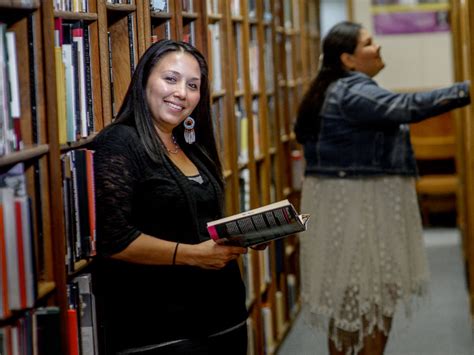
[[364, 128]]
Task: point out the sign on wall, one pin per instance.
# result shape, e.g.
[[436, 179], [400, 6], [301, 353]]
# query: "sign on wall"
[[410, 16]]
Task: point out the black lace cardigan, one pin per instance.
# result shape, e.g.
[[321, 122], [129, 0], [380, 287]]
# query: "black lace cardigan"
[[143, 304]]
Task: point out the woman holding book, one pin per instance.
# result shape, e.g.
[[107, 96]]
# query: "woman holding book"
[[366, 251], [164, 286]]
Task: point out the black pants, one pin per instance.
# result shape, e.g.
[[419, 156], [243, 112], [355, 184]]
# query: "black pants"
[[231, 343]]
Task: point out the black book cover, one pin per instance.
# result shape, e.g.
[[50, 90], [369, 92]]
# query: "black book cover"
[[88, 73], [131, 42], [77, 92], [81, 171], [48, 330]]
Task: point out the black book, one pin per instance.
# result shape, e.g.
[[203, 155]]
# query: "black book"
[[48, 331], [131, 42], [88, 73], [83, 203], [111, 75]]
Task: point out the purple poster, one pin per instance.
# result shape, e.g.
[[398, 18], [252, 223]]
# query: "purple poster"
[[396, 17]]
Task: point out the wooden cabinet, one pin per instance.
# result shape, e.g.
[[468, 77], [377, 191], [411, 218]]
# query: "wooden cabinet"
[[262, 56]]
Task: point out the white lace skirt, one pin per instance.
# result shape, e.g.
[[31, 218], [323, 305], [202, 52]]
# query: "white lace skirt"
[[363, 252]]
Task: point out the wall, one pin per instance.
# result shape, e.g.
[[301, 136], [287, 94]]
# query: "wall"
[[415, 61], [332, 12]]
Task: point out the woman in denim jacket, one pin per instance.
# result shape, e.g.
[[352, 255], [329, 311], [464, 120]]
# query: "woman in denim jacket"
[[366, 252]]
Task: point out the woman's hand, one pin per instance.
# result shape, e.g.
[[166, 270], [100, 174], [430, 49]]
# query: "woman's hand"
[[262, 246], [208, 254]]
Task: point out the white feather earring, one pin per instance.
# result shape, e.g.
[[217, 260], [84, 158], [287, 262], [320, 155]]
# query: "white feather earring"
[[189, 133]]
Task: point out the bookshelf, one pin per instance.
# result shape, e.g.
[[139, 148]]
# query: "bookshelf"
[[262, 56], [462, 20]]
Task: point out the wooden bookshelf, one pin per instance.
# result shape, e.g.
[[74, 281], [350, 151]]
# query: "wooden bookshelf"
[[462, 20], [24, 117], [262, 55]]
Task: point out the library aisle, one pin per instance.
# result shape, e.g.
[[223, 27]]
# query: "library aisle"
[[440, 326]]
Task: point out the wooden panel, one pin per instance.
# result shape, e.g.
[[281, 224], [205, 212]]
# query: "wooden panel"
[[432, 148]]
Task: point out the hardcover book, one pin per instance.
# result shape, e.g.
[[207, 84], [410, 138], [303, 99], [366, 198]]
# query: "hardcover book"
[[257, 226]]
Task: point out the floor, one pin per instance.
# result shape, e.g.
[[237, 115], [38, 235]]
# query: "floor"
[[442, 326]]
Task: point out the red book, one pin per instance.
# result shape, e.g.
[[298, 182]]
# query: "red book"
[[73, 332]]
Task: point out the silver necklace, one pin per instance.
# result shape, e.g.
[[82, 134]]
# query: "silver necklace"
[[176, 147]]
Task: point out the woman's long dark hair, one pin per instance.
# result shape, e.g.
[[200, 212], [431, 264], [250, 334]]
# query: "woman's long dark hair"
[[342, 38], [136, 112]]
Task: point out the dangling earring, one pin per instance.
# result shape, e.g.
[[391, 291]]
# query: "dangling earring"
[[189, 134]]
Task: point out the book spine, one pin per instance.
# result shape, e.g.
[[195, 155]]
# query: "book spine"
[[73, 332], [91, 199], [20, 255], [75, 204], [30, 265], [48, 327], [131, 42], [78, 37], [33, 80], [82, 203], [4, 306], [11, 247], [89, 89], [111, 76]]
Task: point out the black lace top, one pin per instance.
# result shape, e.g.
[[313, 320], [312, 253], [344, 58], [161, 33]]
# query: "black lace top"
[[143, 304]]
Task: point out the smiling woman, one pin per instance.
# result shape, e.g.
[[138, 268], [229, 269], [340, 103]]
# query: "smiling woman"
[[173, 91], [159, 270]]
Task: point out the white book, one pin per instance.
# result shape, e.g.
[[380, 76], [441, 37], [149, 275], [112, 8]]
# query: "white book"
[[70, 92], [268, 329], [28, 251], [13, 75], [216, 57], [9, 222], [251, 337], [79, 39]]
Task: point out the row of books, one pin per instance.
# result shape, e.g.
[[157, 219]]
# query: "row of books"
[[17, 262], [79, 205], [162, 31], [73, 79], [254, 63], [36, 332], [187, 5], [242, 126], [125, 2], [71, 5], [274, 322], [81, 314], [159, 5], [162, 5], [10, 111], [189, 33], [291, 13], [218, 118], [237, 33], [115, 40], [20, 3], [216, 56]]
